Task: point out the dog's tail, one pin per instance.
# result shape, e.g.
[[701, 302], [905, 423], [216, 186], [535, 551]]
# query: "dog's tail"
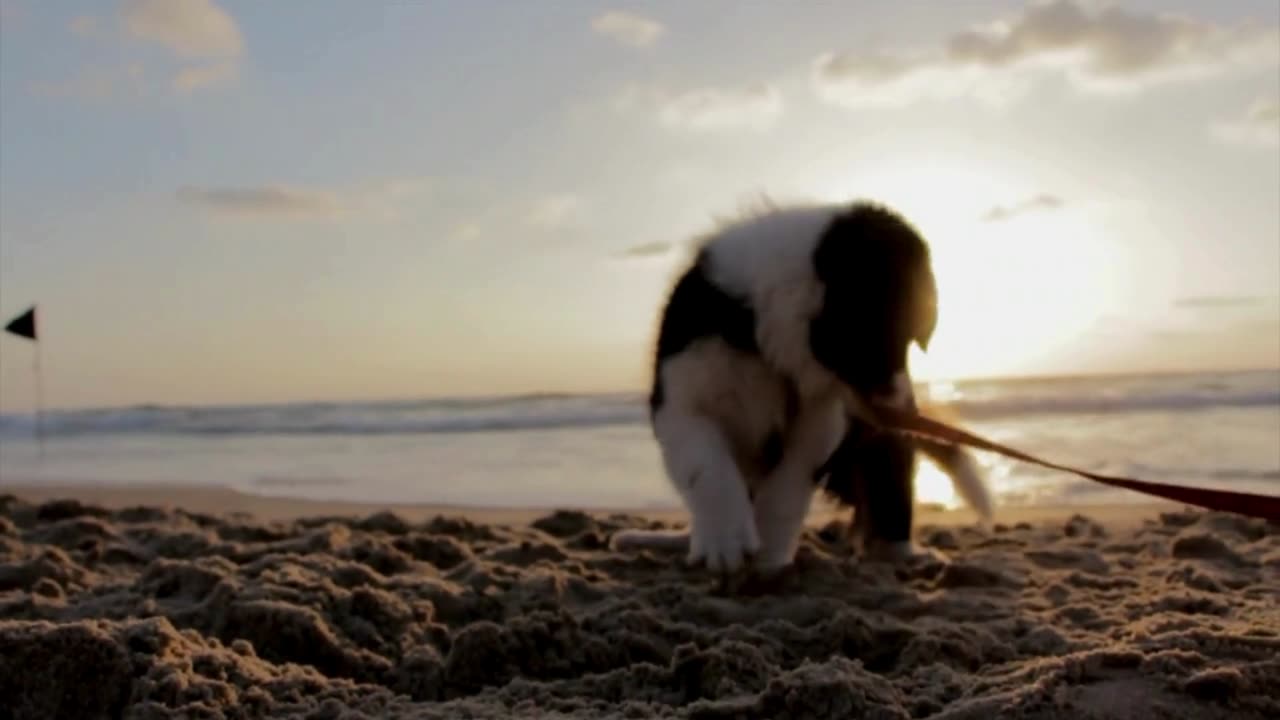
[[960, 465], [637, 539]]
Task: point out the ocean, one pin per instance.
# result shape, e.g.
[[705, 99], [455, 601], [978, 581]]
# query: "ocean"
[[1218, 430]]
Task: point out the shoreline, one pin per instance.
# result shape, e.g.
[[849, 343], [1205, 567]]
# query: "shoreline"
[[225, 500], [921, 382]]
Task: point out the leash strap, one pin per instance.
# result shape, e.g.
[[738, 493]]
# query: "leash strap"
[[1253, 505]]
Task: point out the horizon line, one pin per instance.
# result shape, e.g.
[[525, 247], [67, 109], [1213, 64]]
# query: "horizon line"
[[1013, 378]]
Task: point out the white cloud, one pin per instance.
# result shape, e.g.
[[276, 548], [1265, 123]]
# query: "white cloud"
[[628, 28], [756, 106], [188, 28], [1257, 126], [1096, 48], [880, 81], [202, 38], [554, 211], [199, 33]]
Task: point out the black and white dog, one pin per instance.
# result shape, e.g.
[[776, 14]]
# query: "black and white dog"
[[786, 327]]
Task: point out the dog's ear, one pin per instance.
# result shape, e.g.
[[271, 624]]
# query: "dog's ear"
[[877, 262], [925, 313], [879, 296]]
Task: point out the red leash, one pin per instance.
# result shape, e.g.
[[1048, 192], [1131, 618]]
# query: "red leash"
[[1259, 506]]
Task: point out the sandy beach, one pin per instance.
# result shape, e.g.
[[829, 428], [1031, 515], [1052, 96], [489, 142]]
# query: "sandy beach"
[[131, 603]]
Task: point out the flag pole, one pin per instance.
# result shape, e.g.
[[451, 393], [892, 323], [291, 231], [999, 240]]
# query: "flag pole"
[[39, 402], [26, 326]]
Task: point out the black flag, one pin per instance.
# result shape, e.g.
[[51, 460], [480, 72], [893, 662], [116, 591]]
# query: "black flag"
[[24, 325]]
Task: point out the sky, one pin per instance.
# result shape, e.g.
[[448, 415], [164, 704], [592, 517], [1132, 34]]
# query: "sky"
[[225, 202]]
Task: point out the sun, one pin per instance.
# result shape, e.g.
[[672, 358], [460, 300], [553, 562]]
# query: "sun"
[[1018, 295]]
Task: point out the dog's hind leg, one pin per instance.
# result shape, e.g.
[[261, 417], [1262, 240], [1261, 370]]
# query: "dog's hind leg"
[[886, 497], [873, 472]]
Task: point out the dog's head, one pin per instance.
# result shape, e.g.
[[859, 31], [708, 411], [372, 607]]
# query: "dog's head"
[[879, 296]]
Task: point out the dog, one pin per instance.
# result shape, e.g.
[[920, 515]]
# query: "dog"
[[788, 325]]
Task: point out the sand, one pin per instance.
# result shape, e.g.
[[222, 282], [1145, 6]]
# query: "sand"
[[137, 604]]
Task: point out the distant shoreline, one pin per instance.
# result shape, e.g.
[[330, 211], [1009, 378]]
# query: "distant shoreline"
[[637, 392]]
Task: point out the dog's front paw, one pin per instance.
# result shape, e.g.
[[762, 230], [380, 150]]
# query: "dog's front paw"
[[724, 540], [774, 560]]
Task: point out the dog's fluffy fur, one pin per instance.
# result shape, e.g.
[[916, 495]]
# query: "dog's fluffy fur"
[[771, 343]]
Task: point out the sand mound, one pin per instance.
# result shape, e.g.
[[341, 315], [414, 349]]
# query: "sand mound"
[[153, 613]]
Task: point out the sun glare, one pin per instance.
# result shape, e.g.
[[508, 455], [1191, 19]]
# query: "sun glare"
[[933, 486], [1015, 294], [1013, 291]]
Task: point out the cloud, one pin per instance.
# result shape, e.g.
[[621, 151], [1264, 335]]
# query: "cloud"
[[382, 199], [1104, 49], [1043, 201], [648, 250], [188, 28], [266, 200], [202, 37], [553, 211], [628, 28], [1257, 126], [195, 77], [1112, 42], [1216, 302], [881, 80], [754, 107]]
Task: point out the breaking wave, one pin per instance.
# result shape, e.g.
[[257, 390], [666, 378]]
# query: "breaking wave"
[[974, 400]]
